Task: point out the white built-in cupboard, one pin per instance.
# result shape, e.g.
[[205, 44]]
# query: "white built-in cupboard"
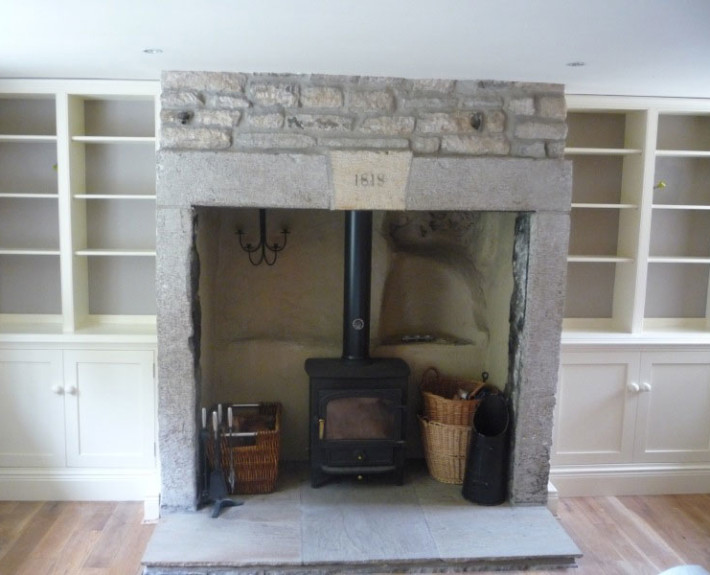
[[633, 409], [77, 295]]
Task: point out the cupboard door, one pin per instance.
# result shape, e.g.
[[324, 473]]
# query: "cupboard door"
[[31, 409], [110, 402], [596, 408], [673, 423]]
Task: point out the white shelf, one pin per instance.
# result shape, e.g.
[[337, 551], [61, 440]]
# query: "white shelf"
[[682, 153], [114, 139], [151, 197], [29, 196], [591, 205], [599, 259], [114, 252], [28, 252], [677, 260], [691, 207], [28, 139], [602, 152]]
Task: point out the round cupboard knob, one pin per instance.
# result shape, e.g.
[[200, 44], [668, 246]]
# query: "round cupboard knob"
[[634, 387], [58, 389], [645, 386], [72, 390]]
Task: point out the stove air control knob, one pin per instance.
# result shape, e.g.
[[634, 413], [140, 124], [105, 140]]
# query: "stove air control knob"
[[360, 456]]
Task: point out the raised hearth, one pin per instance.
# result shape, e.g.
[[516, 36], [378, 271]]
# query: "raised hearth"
[[371, 527]]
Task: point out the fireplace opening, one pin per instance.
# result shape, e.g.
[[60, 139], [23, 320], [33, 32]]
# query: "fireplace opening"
[[441, 284]]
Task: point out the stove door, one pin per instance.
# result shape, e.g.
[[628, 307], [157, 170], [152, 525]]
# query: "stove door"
[[360, 415]]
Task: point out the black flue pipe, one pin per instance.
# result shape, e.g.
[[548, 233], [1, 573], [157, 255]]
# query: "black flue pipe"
[[356, 304]]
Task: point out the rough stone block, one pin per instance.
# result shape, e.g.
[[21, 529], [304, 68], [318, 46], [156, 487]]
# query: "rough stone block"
[[388, 125], [445, 123], [220, 118], [425, 145], [181, 99], [321, 97], [494, 121], [216, 81], [319, 122], [552, 107], [481, 101], [363, 143], [522, 106], [428, 103], [274, 141], [202, 138], [227, 101], [539, 130], [468, 87], [528, 149], [281, 94], [265, 121], [475, 145], [371, 101], [433, 85]]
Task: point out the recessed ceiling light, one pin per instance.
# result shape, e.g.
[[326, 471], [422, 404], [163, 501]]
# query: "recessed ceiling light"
[[576, 64], [153, 51]]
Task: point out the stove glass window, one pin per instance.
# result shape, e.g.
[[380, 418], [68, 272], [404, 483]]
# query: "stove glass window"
[[361, 418]]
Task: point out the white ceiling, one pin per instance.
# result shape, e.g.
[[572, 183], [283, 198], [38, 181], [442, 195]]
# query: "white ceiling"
[[630, 47]]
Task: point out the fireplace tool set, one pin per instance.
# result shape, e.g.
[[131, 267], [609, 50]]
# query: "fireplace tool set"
[[214, 487], [239, 455]]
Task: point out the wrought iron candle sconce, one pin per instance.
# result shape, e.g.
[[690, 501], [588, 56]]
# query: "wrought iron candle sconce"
[[262, 252]]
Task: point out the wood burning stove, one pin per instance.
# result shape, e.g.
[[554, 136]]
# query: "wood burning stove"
[[357, 403]]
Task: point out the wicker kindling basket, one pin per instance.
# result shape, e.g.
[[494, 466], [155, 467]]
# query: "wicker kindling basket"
[[441, 403], [445, 449]]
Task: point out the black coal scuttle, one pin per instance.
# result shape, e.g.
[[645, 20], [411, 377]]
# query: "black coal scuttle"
[[357, 403]]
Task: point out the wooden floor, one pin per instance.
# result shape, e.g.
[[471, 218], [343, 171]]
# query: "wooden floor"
[[618, 535]]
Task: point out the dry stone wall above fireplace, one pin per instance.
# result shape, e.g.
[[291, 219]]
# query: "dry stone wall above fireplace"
[[248, 141], [210, 111]]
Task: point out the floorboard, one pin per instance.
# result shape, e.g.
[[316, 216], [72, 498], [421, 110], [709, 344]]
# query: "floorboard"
[[633, 535]]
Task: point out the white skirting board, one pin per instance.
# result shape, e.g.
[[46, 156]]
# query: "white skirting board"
[[24, 484], [609, 480]]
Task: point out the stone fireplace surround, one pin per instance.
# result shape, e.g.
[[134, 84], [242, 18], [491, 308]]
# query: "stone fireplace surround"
[[242, 140]]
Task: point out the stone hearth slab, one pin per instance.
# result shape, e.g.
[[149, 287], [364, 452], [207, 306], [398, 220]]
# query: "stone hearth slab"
[[351, 527]]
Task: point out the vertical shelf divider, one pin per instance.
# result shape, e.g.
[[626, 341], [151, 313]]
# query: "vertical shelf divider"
[[646, 130], [626, 280], [74, 214]]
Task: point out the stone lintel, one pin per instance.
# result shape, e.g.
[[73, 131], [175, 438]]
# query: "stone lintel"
[[499, 184], [291, 180]]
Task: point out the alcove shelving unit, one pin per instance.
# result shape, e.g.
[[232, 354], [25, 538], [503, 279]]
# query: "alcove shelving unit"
[[77, 186], [634, 386], [639, 259], [77, 294]]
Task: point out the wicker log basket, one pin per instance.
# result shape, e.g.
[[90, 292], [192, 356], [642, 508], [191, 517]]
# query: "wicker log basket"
[[442, 402], [446, 422], [445, 449]]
